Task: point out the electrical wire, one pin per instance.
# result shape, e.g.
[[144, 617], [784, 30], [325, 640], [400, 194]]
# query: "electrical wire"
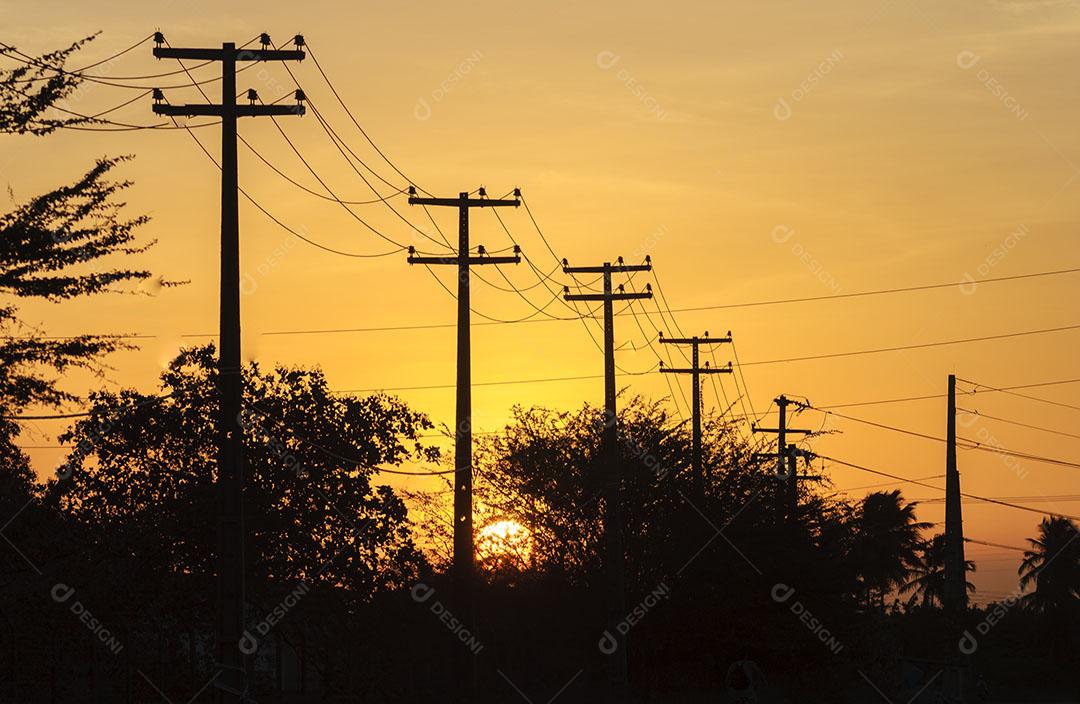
[[963, 443], [349, 112], [923, 345], [1009, 391], [301, 186], [285, 227], [979, 414], [936, 488]]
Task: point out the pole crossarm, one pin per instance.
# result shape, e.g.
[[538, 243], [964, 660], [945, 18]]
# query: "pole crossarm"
[[469, 260], [619, 268], [700, 370], [200, 110], [694, 340], [466, 202], [606, 296], [238, 54]]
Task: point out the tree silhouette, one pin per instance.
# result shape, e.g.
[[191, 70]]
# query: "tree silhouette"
[[1053, 566], [887, 543], [926, 582], [142, 474], [52, 246]]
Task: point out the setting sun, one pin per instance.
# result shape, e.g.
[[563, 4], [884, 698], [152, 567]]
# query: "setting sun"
[[505, 541]]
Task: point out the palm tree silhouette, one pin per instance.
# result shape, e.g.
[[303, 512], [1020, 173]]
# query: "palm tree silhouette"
[[1053, 565], [887, 542], [927, 576]]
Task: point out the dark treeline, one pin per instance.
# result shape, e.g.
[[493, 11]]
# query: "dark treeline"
[[346, 594]]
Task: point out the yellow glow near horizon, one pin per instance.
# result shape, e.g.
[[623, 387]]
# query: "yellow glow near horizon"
[[506, 539]]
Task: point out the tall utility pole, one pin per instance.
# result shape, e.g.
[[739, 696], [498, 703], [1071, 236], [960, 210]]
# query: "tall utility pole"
[[231, 685], [462, 570], [955, 596], [614, 552], [696, 370], [785, 470]]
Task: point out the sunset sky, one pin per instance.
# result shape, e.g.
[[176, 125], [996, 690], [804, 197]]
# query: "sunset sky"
[[755, 151]]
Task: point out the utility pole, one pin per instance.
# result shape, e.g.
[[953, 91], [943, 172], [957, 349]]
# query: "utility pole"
[[462, 569], [231, 685], [955, 596], [696, 370], [614, 552], [785, 454]]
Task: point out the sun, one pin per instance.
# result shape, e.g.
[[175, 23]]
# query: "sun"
[[505, 542]]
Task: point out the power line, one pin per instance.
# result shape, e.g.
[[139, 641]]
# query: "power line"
[[937, 396], [879, 292], [1010, 391], [922, 345], [356, 123], [1019, 424], [285, 227], [971, 444], [936, 488]]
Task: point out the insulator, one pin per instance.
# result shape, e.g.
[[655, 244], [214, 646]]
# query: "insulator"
[[158, 95], [564, 262], [412, 190], [648, 287], [620, 260], [300, 97], [159, 38], [483, 192], [412, 250], [648, 259], [480, 249], [517, 249], [264, 39], [252, 95], [517, 192], [566, 289], [298, 41]]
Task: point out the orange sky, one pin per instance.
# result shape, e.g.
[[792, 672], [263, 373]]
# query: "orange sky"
[[769, 150]]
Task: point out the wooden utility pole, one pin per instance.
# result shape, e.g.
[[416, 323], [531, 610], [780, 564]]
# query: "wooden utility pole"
[[462, 569], [955, 596], [784, 467], [696, 370], [614, 552], [231, 685]]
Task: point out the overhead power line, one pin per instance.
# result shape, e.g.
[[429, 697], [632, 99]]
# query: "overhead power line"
[[969, 444], [1011, 392], [937, 488]]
